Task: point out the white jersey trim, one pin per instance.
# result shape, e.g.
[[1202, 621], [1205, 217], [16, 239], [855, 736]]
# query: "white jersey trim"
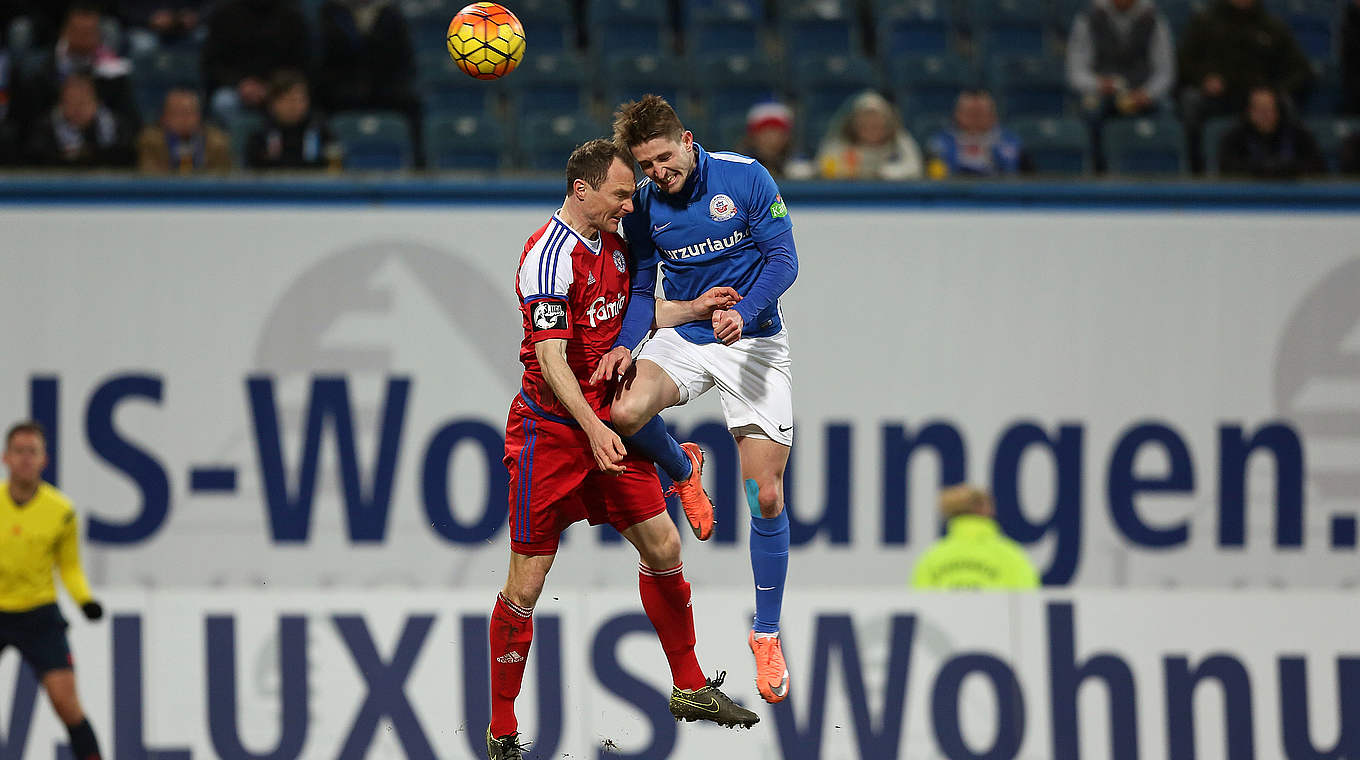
[[735, 158], [543, 273]]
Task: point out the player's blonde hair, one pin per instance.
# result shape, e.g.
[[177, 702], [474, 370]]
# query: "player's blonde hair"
[[639, 121], [964, 500]]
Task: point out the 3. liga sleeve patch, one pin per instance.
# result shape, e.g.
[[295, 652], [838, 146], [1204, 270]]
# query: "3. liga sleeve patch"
[[549, 315]]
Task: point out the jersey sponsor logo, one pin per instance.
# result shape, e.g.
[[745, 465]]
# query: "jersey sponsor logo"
[[620, 263], [510, 658], [550, 315], [707, 246], [721, 208], [778, 209], [602, 310]]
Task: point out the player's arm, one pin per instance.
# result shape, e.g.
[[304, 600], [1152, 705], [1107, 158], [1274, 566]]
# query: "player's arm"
[[72, 575], [772, 232], [640, 315], [605, 444], [675, 313]]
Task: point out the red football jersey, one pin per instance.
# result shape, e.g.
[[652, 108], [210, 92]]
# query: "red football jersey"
[[576, 289]]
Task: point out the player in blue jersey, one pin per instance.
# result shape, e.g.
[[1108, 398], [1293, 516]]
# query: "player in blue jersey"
[[715, 222]]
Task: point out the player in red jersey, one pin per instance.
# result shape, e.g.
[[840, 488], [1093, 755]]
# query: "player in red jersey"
[[566, 464]]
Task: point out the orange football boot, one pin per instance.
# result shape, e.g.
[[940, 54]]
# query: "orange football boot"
[[772, 675], [698, 507]]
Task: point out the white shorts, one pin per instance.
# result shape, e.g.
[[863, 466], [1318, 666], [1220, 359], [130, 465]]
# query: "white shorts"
[[753, 378]]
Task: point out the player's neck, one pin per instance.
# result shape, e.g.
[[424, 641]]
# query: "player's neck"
[[572, 216], [20, 493]]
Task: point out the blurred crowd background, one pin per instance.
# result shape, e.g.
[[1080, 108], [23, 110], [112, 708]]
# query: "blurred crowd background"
[[835, 89]]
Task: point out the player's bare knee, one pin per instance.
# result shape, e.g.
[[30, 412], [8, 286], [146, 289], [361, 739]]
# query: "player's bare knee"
[[628, 415], [770, 499], [664, 552]]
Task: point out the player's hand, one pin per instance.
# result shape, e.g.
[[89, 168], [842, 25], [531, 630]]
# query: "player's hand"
[[613, 364], [727, 324], [93, 610], [608, 449], [721, 297]]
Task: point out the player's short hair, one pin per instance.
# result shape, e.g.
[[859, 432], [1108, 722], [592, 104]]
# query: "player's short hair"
[[639, 121], [25, 426], [964, 500], [590, 162]]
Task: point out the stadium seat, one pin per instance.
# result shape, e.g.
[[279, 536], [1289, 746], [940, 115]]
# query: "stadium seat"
[[464, 141], [628, 26], [1057, 146], [1214, 130], [931, 83], [1312, 22], [1324, 97], [154, 74], [1145, 146], [239, 129], [546, 141], [549, 25], [1330, 133], [1029, 85], [731, 83], [1010, 26], [629, 76], [826, 81], [820, 27], [550, 83], [374, 140], [443, 86], [913, 27]]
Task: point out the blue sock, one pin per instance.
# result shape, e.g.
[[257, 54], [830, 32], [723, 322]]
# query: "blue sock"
[[769, 561], [654, 441]]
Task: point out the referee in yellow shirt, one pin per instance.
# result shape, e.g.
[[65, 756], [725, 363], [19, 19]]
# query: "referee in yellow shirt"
[[38, 531], [974, 553]]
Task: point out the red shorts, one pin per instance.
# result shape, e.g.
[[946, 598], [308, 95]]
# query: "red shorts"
[[555, 482]]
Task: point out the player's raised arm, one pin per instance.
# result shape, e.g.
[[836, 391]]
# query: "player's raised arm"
[[772, 231]]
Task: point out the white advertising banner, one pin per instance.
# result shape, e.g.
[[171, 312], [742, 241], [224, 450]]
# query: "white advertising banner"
[[312, 397], [341, 676]]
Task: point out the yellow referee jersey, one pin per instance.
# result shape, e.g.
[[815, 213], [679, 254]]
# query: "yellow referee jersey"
[[974, 554], [34, 537]]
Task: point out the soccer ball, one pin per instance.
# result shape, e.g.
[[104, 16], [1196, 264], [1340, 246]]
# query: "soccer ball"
[[486, 40]]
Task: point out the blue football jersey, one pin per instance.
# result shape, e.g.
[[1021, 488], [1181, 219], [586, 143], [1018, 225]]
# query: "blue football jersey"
[[705, 236]]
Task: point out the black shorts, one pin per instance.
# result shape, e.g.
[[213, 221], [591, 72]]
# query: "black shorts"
[[40, 636]]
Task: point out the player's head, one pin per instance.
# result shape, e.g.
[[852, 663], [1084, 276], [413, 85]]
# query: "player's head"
[[965, 500], [651, 132], [25, 452], [600, 184]]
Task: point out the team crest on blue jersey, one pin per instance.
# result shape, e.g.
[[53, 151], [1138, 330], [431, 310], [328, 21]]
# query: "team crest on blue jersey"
[[721, 208], [620, 262]]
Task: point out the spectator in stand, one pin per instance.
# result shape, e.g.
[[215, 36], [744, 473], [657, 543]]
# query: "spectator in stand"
[[1350, 155], [1350, 58], [976, 146], [80, 132], [867, 141], [769, 140], [1267, 144], [80, 50], [182, 142], [248, 42], [367, 62], [160, 23], [293, 137], [1120, 60], [46, 17], [1230, 47]]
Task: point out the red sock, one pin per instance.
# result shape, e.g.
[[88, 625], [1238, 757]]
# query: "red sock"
[[512, 631], [665, 597]]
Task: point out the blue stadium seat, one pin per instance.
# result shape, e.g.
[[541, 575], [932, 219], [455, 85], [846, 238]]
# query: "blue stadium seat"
[[1029, 85], [731, 83], [464, 142], [706, 37], [546, 141], [628, 26], [549, 25], [1010, 26], [1325, 96], [443, 86], [826, 81], [1057, 146], [629, 76], [931, 83], [1214, 130], [820, 27], [1145, 146], [1330, 133], [374, 140], [551, 83], [239, 129], [154, 74], [725, 132], [913, 27], [1312, 22]]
